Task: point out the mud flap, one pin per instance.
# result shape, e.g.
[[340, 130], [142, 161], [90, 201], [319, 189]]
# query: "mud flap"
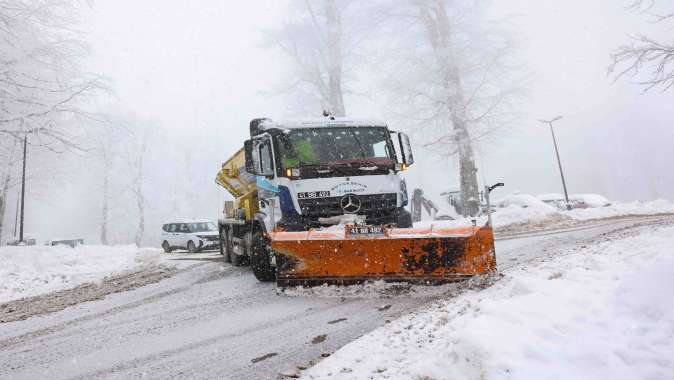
[[428, 256]]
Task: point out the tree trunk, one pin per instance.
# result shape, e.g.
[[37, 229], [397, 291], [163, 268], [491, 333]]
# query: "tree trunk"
[[470, 195], [439, 32], [4, 192], [138, 190], [104, 216], [334, 40], [141, 220], [2, 214]]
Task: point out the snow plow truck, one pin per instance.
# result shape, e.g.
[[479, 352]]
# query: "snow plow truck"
[[324, 202]]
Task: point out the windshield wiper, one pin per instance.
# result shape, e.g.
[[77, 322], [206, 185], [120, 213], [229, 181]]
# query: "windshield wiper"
[[360, 145]]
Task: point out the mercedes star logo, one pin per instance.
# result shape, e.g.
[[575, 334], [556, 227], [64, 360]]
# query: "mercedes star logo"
[[350, 204]]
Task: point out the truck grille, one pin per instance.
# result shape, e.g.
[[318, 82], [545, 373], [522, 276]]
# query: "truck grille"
[[375, 207]]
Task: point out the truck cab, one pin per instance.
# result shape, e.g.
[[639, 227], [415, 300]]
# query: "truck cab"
[[310, 174], [318, 173]]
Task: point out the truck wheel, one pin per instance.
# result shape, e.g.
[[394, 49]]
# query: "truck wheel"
[[403, 219], [237, 260], [225, 250], [166, 246], [192, 247], [260, 258]]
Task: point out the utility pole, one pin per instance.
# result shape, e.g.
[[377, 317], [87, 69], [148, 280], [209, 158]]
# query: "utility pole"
[[23, 186], [559, 162]]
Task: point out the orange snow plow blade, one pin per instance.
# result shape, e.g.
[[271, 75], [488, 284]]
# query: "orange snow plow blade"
[[430, 255]]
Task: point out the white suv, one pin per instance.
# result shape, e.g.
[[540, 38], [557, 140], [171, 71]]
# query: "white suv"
[[195, 236]]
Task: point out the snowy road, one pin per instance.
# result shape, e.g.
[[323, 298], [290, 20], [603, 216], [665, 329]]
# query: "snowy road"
[[216, 321]]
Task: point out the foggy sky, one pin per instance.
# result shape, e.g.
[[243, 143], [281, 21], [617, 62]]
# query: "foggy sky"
[[202, 70], [203, 67]]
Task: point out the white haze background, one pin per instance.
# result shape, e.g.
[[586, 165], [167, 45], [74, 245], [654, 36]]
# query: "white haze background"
[[202, 70]]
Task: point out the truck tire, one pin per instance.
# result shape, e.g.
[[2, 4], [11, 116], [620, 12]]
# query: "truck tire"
[[191, 247], [225, 250], [403, 219], [166, 246], [238, 260], [260, 258]]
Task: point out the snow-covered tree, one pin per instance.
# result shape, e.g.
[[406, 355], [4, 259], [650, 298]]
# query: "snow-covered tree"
[[647, 56], [108, 150], [452, 77], [43, 84], [321, 42], [9, 159], [138, 155]]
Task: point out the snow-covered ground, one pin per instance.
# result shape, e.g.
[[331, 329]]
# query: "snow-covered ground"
[[525, 209], [536, 211], [29, 271], [601, 312]]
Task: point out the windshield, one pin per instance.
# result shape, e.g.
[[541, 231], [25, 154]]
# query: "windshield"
[[322, 146], [202, 227]]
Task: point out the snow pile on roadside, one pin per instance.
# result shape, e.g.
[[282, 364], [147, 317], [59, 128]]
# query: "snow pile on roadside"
[[383, 290], [522, 208], [29, 271], [592, 200], [660, 206], [601, 312], [518, 208], [525, 209]]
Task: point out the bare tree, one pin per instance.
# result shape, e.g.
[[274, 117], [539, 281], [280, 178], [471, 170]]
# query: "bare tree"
[[6, 178], [138, 176], [137, 155], [454, 79], [645, 54], [322, 45], [42, 85], [107, 157]]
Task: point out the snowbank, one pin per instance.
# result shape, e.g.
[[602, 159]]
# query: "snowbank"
[[591, 200], [660, 206], [602, 312], [516, 208], [522, 201], [29, 271]]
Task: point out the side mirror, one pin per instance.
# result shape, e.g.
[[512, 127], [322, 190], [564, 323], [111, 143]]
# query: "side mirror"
[[405, 148], [259, 159], [248, 148]]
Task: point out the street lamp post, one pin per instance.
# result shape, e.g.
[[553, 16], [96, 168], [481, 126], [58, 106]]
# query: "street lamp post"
[[559, 162]]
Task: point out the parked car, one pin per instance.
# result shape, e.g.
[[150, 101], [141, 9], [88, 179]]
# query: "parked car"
[[27, 240], [72, 243], [195, 236]]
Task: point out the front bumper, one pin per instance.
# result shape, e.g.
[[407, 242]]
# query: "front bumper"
[[207, 245]]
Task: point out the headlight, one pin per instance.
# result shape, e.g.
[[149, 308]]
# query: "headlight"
[[292, 172]]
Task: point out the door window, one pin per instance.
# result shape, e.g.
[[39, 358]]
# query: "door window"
[[172, 227], [266, 162]]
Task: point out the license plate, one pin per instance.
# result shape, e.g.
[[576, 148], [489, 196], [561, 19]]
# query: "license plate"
[[362, 231], [313, 194]]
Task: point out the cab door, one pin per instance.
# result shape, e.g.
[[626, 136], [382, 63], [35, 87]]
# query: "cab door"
[[171, 234], [260, 161], [182, 235]]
